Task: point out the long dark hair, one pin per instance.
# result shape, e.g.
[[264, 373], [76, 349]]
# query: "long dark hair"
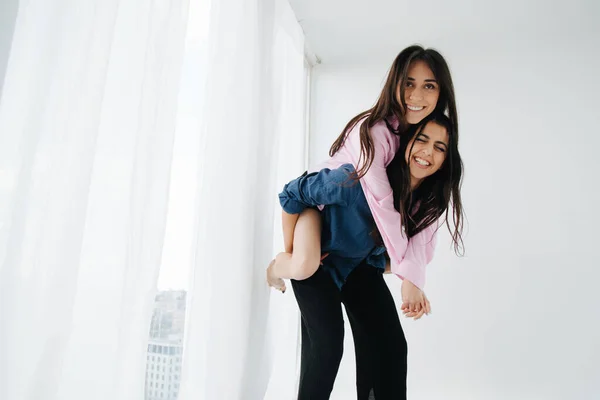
[[423, 206], [387, 105]]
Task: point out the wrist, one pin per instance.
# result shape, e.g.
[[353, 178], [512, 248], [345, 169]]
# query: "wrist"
[[407, 282]]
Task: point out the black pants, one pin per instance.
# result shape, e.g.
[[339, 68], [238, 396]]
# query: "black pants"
[[379, 342]]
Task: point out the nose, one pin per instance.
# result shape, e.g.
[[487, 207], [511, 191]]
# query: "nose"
[[416, 94]]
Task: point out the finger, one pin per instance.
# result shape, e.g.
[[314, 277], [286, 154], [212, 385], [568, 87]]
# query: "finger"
[[415, 314], [407, 311], [323, 256], [419, 308], [426, 304], [423, 305], [420, 314], [416, 307]]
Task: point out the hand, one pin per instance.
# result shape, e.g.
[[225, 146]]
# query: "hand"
[[414, 302], [426, 309], [323, 256], [274, 281]]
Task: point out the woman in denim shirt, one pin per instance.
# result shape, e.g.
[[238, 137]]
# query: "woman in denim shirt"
[[426, 166]]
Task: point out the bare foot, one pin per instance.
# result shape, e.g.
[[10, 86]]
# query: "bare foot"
[[273, 281]]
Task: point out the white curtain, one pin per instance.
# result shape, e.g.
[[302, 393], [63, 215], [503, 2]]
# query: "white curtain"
[[86, 131], [292, 130], [252, 141]]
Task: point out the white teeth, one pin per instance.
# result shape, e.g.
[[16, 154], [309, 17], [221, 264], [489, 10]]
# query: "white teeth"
[[413, 108], [422, 162]]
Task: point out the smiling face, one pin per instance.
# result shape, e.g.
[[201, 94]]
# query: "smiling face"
[[426, 152], [421, 92]]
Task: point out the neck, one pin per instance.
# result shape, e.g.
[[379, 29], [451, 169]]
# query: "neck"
[[414, 183]]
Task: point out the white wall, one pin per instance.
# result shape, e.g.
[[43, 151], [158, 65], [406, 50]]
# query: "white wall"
[[8, 15], [518, 317]]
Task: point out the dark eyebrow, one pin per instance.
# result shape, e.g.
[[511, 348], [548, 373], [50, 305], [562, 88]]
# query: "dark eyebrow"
[[428, 138], [426, 80]]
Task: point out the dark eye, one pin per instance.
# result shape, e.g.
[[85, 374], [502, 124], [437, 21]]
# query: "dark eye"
[[408, 84], [429, 86], [440, 148], [420, 139]]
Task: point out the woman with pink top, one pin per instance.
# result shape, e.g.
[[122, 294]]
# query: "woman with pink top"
[[425, 176]]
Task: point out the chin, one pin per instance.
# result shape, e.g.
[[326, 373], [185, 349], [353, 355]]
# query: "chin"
[[414, 119]]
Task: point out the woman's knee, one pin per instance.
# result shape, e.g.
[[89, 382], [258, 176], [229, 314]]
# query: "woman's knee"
[[330, 350]]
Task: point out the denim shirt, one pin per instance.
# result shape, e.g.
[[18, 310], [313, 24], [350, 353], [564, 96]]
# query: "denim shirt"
[[347, 222]]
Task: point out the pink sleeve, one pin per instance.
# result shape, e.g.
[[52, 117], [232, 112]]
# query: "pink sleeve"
[[418, 254]]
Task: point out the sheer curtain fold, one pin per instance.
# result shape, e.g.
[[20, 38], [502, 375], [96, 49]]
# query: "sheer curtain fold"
[[86, 130], [254, 113]]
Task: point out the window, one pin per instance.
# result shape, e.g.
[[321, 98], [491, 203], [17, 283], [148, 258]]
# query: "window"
[[169, 309]]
